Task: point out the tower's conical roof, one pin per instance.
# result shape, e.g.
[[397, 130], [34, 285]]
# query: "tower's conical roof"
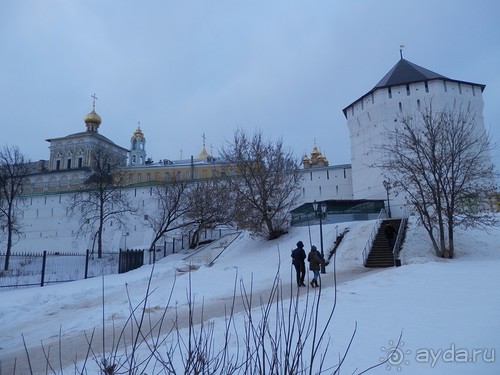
[[405, 72]]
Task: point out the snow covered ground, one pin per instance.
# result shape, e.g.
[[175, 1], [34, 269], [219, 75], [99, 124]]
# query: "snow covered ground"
[[448, 311]]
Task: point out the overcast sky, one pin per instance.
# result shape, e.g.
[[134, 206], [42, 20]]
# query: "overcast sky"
[[188, 68]]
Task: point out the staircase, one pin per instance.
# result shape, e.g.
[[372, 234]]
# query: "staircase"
[[381, 252]]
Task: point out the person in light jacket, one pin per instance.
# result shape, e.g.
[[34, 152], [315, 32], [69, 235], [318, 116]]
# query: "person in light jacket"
[[315, 260]]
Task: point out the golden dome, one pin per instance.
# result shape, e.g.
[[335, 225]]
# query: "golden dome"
[[315, 152], [138, 134], [92, 118], [203, 154]]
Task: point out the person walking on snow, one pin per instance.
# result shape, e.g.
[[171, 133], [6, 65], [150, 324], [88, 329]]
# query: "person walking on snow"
[[315, 259], [298, 261]]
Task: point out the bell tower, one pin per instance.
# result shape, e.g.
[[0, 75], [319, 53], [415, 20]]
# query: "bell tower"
[[137, 148]]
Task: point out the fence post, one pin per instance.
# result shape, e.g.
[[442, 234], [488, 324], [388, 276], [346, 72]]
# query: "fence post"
[[44, 261], [87, 253], [164, 248], [173, 245]]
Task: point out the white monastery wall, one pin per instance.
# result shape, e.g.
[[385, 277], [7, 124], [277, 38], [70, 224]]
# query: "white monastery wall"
[[46, 226]]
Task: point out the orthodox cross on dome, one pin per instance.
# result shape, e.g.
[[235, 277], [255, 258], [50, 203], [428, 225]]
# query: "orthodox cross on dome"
[[401, 46], [204, 139], [94, 98], [139, 123]]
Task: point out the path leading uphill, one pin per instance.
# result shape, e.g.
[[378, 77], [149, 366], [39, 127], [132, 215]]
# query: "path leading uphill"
[[61, 351]]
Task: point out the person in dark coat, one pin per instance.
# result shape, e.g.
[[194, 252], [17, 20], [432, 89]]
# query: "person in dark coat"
[[315, 260], [298, 261], [390, 233]]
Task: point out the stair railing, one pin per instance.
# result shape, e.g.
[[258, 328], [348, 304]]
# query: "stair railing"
[[366, 251], [399, 238]]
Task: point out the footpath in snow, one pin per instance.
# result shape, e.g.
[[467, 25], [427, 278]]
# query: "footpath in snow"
[[446, 310]]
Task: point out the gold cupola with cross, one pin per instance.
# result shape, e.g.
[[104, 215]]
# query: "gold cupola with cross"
[[92, 120], [203, 155]]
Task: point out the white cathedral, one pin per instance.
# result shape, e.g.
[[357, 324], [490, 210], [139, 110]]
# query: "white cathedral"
[[405, 88]]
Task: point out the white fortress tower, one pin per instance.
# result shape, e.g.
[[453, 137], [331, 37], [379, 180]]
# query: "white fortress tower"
[[403, 90]]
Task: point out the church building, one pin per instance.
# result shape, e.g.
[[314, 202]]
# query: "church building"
[[72, 158]]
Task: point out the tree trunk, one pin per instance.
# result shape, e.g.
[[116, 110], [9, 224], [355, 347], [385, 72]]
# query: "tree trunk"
[[9, 242], [195, 239], [451, 239]]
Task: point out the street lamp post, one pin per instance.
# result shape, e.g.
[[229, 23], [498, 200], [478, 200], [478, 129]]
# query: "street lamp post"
[[321, 210], [125, 235], [387, 186]]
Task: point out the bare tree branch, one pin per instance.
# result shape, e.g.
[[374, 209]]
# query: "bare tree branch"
[[266, 183], [14, 169], [440, 161]]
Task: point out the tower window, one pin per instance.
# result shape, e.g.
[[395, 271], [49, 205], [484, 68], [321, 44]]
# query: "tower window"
[[407, 90], [400, 107], [390, 92], [80, 162], [426, 87], [418, 103], [445, 87], [68, 164], [58, 165]]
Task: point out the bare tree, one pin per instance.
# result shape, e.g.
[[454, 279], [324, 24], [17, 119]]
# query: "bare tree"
[[266, 183], [440, 161], [172, 206], [102, 199], [14, 169], [208, 206]]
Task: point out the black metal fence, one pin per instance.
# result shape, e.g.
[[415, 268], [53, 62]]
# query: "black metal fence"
[[39, 269]]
